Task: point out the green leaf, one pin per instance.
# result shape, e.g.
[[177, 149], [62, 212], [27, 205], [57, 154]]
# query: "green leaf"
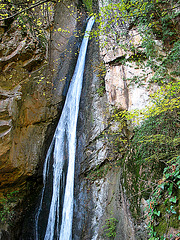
[[172, 210], [170, 189], [157, 212], [173, 199]]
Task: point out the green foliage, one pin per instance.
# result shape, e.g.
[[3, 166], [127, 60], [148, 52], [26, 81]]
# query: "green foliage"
[[165, 100], [100, 70], [152, 161], [101, 89], [163, 205], [110, 227], [157, 139], [88, 4], [6, 205]]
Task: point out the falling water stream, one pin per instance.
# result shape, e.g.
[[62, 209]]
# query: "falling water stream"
[[60, 159]]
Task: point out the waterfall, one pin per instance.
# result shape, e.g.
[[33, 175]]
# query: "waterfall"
[[60, 159]]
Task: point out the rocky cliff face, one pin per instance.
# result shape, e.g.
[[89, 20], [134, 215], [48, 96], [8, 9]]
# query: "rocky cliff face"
[[32, 92], [98, 191], [31, 98], [99, 194]]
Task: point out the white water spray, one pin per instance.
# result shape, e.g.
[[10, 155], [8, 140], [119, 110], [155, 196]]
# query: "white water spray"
[[63, 149]]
